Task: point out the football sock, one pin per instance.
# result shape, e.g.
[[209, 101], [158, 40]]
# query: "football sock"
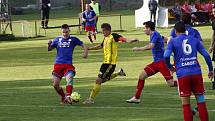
[[175, 83], [94, 37], [95, 91], [60, 92], [188, 116], [114, 75], [139, 89], [90, 38], [69, 90], [203, 113]]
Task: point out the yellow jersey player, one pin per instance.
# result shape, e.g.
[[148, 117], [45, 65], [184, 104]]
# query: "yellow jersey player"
[[107, 69]]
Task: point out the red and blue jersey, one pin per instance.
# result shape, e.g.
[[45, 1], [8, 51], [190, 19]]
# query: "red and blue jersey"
[[189, 31], [185, 50], [89, 15], [65, 49], [158, 50]]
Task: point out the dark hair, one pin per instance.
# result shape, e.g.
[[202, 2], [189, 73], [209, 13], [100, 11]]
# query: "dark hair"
[[150, 24], [106, 26], [180, 27], [186, 18], [65, 26]]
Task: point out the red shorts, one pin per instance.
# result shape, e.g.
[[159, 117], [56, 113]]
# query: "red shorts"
[[192, 83], [159, 66], [61, 70], [90, 28]]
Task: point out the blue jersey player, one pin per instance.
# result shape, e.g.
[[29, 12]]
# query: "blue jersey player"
[[156, 44], [186, 18], [63, 66], [188, 70]]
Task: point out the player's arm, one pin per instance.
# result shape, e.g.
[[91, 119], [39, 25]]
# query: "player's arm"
[[97, 47], [94, 17], [50, 47], [84, 18], [146, 47], [212, 42], [207, 57], [132, 40], [167, 54], [85, 48]]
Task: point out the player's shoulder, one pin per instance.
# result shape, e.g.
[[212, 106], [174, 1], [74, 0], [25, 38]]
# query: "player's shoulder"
[[73, 38]]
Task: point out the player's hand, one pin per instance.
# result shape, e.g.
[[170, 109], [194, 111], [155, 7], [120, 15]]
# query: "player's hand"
[[49, 43], [210, 75], [210, 49]]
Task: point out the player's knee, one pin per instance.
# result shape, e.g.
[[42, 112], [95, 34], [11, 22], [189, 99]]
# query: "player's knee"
[[69, 81], [200, 98], [100, 80], [143, 75]]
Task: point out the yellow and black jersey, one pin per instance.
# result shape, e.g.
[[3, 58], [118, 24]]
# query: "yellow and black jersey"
[[110, 47]]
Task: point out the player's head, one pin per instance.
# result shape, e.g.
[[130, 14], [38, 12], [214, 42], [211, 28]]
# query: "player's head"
[[65, 30], [186, 18], [106, 29], [148, 27], [87, 7], [180, 27]]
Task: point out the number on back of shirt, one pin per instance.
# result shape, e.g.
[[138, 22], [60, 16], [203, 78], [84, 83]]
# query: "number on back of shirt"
[[186, 47]]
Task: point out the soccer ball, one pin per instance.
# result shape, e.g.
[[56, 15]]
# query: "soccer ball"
[[76, 97]]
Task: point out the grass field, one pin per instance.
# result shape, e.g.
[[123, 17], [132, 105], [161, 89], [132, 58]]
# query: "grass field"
[[26, 93]]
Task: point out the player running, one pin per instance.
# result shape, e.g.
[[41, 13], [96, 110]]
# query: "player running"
[[158, 65], [89, 17], [63, 66], [107, 69], [188, 70]]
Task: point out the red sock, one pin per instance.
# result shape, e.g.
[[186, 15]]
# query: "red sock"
[[139, 89], [188, 116], [203, 112], [175, 83], [69, 90], [61, 92]]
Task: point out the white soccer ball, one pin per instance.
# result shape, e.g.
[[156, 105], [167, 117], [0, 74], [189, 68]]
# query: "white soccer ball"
[[76, 97]]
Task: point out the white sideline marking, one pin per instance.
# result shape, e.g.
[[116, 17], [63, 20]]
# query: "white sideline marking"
[[96, 107]]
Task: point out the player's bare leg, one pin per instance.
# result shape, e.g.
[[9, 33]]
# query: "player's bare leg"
[[119, 73], [94, 36], [58, 88], [140, 85], [89, 36]]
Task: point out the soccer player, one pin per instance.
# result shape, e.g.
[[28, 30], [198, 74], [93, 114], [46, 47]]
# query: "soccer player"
[[212, 49], [186, 18], [106, 73], [63, 66], [158, 65], [188, 70], [89, 17], [45, 8]]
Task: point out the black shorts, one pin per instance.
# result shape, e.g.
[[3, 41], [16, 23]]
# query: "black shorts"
[[213, 56], [106, 70]]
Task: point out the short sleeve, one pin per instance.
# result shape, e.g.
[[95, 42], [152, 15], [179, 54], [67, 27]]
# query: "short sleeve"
[[78, 41], [54, 42], [154, 38]]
